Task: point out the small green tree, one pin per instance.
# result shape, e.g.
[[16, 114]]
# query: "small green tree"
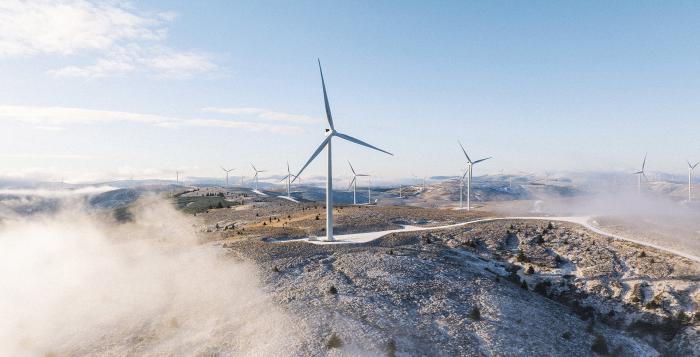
[[521, 258], [475, 314], [600, 346], [334, 342]]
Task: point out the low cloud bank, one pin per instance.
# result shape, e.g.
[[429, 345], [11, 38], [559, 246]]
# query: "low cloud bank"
[[77, 284]]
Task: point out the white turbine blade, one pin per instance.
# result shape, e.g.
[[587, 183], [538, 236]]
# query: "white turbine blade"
[[362, 175], [464, 151], [478, 161], [253, 166], [313, 156], [351, 168], [465, 174], [360, 142], [351, 182], [696, 164], [644, 162], [325, 97], [284, 178]]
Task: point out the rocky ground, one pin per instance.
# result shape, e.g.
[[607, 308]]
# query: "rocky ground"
[[492, 288]]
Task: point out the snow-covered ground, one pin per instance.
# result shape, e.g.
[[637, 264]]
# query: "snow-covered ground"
[[581, 220]]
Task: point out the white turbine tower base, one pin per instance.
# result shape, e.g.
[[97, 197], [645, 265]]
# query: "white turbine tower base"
[[330, 134]]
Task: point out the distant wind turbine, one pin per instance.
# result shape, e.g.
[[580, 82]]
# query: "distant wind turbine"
[[227, 172], [691, 167], [255, 177], [641, 173], [353, 183], [330, 134], [289, 181], [468, 174]]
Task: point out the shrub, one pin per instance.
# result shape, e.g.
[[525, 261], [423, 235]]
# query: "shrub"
[[332, 290], [334, 342], [566, 335], [600, 346], [523, 284], [276, 269], [539, 239], [317, 217], [391, 348], [550, 226], [530, 270], [642, 254], [521, 256], [541, 287], [475, 314]]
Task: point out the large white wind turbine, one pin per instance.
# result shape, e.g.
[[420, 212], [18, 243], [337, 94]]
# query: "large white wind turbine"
[[353, 183], [330, 134], [691, 167], [641, 173], [227, 171], [468, 174], [288, 178], [255, 177]]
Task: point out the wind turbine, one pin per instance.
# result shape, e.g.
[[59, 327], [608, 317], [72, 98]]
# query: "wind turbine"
[[470, 164], [177, 176], [330, 134], [227, 171], [641, 173], [289, 181], [255, 177], [353, 183], [691, 167]]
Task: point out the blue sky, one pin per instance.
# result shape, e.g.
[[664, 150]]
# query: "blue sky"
[[114, 89]]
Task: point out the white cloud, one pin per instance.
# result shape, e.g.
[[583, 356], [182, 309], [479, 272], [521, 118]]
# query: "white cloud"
[[61, 116], [119, 39], [264, 114], [46, 156]]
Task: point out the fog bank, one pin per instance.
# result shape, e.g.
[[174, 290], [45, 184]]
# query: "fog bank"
[[77, 284]]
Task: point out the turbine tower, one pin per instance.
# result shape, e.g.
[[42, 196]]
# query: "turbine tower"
[[353, 183], [330, 134], [255, 177], [470, 164], [641, 173], [289, 181], [691, 167], [177, 176], [369, 190], [227, 171]]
